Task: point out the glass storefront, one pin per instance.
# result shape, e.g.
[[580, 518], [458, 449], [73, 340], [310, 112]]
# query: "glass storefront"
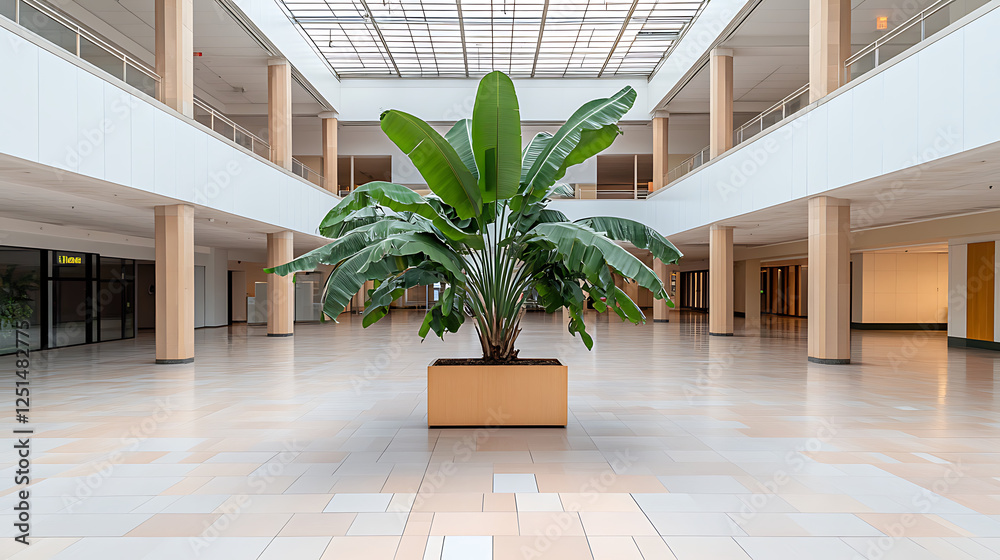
[[68, 298], [20, 289]]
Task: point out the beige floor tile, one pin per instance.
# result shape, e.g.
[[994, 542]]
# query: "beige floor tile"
[[474, 523], [499, 502], [614, 548], [251, 524], [542, 548], [597, 501], [617, 523], [911, 525], [653, 547], [448, 502], [537, 523], [411, 547], [175, 525]]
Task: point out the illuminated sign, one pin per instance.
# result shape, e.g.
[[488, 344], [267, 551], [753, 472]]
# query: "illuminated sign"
[[69, 259], [881, 22]]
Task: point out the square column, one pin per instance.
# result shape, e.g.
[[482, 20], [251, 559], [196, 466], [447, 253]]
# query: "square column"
[[661, 311], [660, 153], [280, 290], [829, 45], [174, 227], [829, 280], [752, 296], [174, 22], [279, 111], [720, 102], [720, 281], [329, 151]]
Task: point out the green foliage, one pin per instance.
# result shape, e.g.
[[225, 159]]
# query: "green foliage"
[[486, 235], [15, 297]]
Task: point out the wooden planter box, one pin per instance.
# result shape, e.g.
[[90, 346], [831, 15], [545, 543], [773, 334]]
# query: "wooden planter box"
[[482, 395]]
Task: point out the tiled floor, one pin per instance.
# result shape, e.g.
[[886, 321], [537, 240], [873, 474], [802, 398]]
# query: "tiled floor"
[[680, 445]]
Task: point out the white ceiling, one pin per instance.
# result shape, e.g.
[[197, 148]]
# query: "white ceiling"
[[955, 185], [44, 195], [232, 70]]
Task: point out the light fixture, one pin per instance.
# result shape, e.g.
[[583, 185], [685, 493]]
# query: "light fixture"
[[882, 22], [657, 35]]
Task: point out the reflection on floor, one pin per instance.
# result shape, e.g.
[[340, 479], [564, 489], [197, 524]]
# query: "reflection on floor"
[[680, 445]]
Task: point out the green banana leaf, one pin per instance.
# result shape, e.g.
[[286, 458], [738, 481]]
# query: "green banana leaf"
[[640, 235], [437, 161], [496, 137]]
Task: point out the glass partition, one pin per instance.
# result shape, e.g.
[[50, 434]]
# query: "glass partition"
[[8, 9], [47, 27], [20, 296]]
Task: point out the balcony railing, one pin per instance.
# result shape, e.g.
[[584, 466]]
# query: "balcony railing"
[[912, 31], [303, 170], [208, 116], [772, 115], [63, 32], [688, 165]]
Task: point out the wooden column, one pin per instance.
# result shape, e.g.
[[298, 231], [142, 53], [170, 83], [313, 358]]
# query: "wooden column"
[[661, 311], [175, 54], [980, 291], [720, 102], [829, 45], [720, 281], [174, 231], [829, 280], [330, 151], [751, 306], [279, 111], [280, 290], [660, 150]]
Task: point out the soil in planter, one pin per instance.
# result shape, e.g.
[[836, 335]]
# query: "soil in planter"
[[484, 362]]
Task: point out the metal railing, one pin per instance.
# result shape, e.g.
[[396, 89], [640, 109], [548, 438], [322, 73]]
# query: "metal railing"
[[304, 171], [214, 120], [689, 165], [771, 116], [63, 32], [623, 194], [912, 31]]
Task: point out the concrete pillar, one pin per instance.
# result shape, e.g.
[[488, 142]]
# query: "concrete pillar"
[[720, 281], [829, 280], [279, 111], [829, 45], [660, 151], [751, 306], [174, 21], [661, 312], [720, 101], [329, 151], [280, 290], [174, 231]]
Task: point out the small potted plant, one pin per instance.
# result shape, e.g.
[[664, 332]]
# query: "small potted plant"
[[486, 235], [15, 304]]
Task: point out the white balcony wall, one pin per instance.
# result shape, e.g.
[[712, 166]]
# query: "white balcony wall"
[[68, 115], [937, 102]]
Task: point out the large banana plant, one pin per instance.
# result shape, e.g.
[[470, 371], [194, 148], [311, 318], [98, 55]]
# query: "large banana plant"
[[485, 233]]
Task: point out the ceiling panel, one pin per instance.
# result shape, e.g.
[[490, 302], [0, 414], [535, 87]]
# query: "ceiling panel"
[[543, 38]]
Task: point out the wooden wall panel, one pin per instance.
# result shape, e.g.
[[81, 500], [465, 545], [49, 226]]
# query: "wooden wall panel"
[[981, 272]]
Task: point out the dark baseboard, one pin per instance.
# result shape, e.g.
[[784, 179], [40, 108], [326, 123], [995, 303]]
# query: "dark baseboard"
[[661, 320], [721, 333], [959, 342], [900, 326], [830, 361], [280, 335], [181, 361], [739, 314]]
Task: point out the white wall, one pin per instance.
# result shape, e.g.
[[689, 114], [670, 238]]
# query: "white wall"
[[70, 116], [901, 288], [936, 102]]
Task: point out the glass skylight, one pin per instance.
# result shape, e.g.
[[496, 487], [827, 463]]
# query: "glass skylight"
[[458, 38]]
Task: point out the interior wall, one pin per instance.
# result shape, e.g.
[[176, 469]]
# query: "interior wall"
[[254, 273], [960, 282], [902, 288]]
